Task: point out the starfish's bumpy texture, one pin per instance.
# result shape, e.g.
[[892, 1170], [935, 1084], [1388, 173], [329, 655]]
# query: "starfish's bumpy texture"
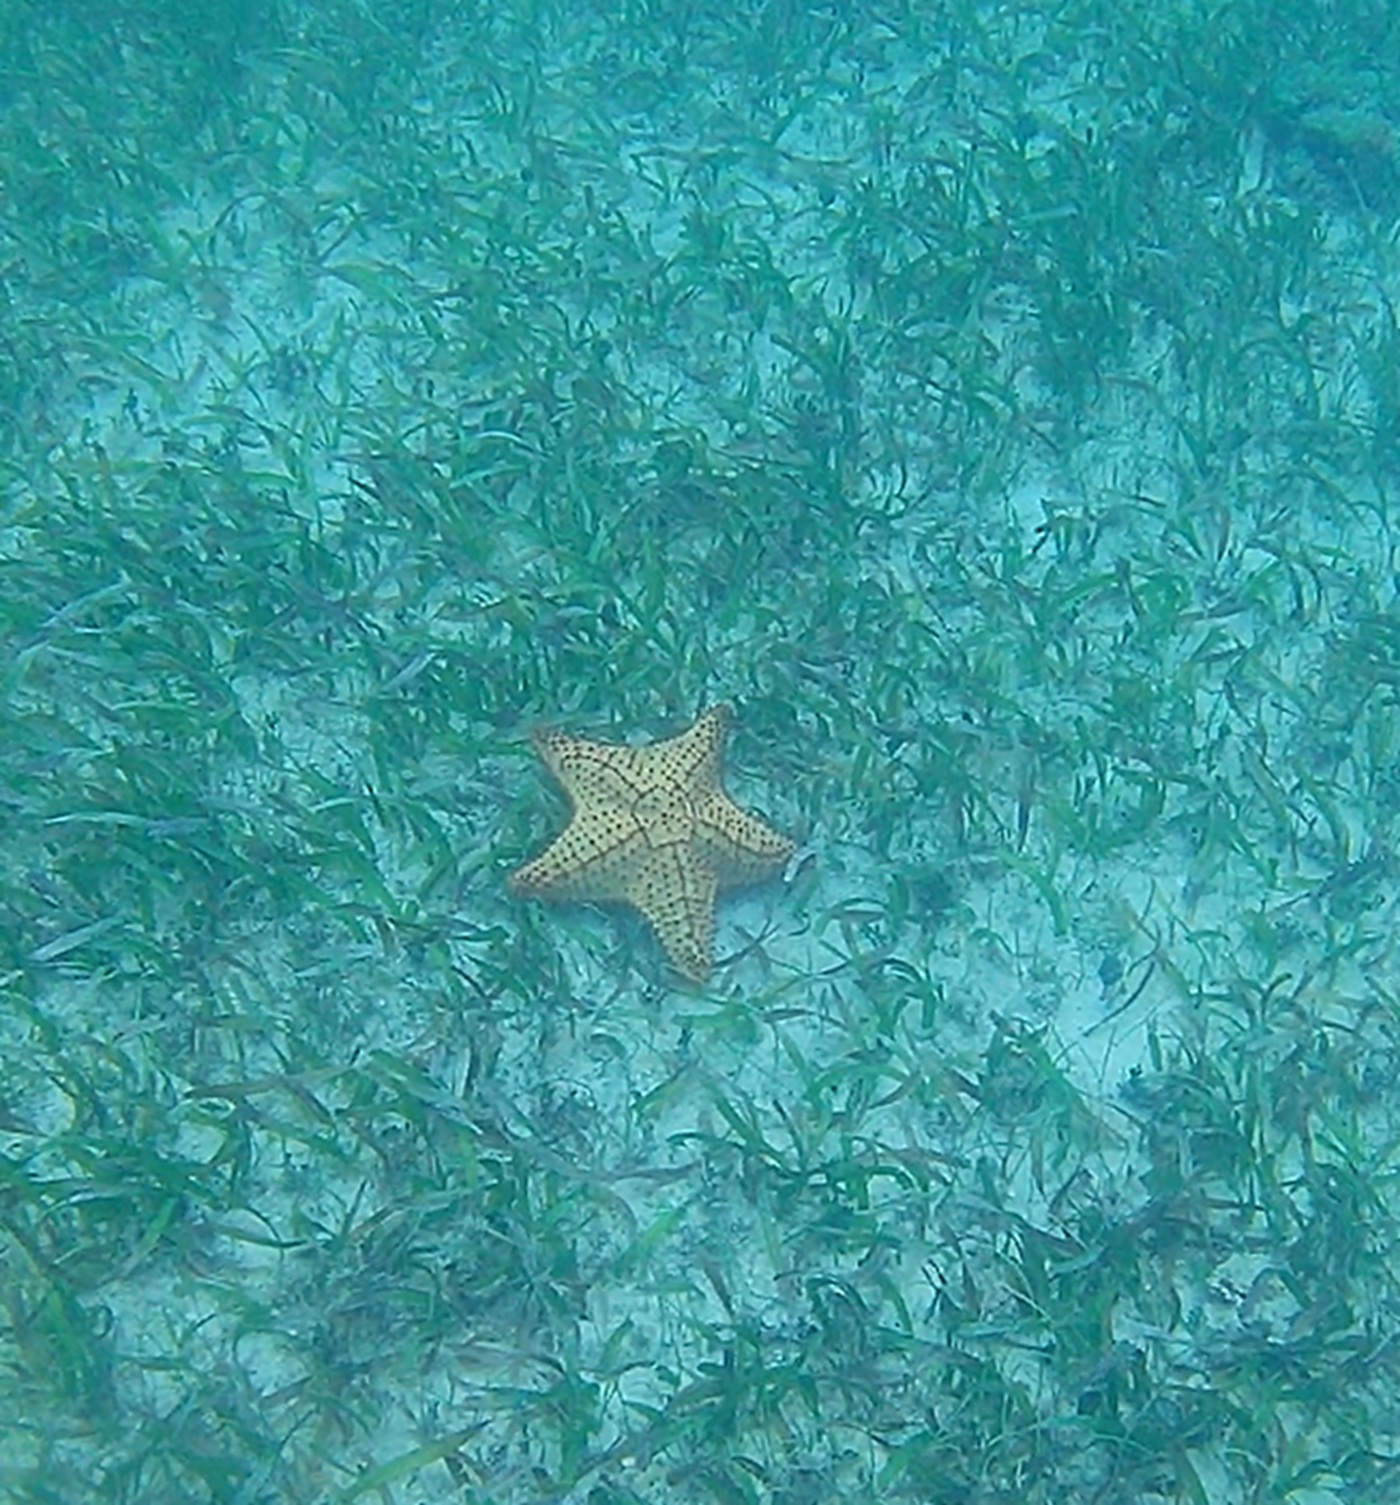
[[653, 827]]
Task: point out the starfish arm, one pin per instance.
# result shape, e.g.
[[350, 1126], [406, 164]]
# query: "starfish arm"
[[589, 859], [676, 895], [740, 847], [691, 761], [593, 774]]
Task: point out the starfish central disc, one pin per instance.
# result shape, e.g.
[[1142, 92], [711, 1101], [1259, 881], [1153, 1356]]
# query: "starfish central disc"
[[665, 816]]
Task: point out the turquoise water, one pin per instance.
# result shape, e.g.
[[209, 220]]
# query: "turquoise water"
[[996, 405]]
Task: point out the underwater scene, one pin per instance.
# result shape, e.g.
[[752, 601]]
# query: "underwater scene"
[[699, 752]]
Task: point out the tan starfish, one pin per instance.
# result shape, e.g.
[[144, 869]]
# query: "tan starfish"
[[653, 827]]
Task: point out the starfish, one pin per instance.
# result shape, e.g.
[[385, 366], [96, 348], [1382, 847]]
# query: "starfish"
[[653, 827]]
